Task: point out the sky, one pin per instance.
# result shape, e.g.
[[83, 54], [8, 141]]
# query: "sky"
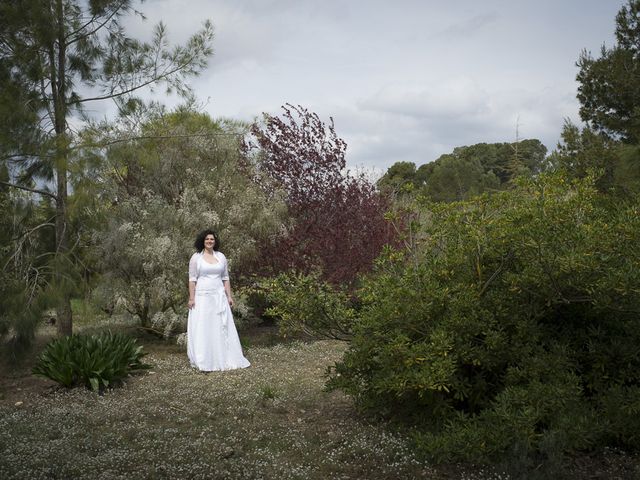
[[407, 80]]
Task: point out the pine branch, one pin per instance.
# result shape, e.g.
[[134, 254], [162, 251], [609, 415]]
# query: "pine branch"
[[32, 190], [96, 29], [134, 88], [29, 232]]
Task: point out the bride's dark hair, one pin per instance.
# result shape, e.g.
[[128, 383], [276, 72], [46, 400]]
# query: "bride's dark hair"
[[199, 243]]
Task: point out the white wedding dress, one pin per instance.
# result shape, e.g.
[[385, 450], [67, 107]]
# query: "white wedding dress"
[[212, 338]]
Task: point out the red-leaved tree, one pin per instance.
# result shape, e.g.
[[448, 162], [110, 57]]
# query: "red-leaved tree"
[[338, 220]]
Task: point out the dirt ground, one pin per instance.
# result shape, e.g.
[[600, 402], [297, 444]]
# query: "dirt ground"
[[17, 384]]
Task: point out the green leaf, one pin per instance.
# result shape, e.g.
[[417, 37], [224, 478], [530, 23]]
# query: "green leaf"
[[95, 384]]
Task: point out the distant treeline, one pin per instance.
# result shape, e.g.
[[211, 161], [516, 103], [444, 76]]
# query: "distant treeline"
[[467, 171]]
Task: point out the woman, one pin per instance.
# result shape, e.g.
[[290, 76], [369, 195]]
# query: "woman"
[[213, 342]]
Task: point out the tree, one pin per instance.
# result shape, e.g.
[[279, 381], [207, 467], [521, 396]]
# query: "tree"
[[609, 90], [158, 193], [338, 220], [454, 178], [583, 151], [470, 170], [58, 55], [397, 176], [609, 94]]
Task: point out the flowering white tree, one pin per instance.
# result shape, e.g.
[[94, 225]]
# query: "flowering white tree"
[[186, 175]]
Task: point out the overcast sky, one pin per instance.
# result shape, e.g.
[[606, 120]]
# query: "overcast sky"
[[406, 80]]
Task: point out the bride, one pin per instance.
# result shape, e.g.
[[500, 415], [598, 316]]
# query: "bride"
[[213, 342]]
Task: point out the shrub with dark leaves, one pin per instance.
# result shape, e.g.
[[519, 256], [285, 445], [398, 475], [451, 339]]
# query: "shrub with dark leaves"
[[338, 223]]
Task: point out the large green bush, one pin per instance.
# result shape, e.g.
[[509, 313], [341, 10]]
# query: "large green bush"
[[511, 329], [95, 361]]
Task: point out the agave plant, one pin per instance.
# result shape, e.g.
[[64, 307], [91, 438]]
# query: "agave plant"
[[96, 361]]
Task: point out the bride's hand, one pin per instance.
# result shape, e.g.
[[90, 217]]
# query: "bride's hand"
[[191, 303], [230, 301]]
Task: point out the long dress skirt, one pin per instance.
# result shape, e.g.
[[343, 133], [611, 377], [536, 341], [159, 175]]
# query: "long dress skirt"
[[213, 342]]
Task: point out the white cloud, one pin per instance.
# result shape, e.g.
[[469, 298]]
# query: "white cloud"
[[458, 97], [469, 25], [406, 80]]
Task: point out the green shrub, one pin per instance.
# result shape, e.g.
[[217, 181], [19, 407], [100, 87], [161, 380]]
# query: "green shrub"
[[95, 361], [257, 301], [511, 330], [304, 303]]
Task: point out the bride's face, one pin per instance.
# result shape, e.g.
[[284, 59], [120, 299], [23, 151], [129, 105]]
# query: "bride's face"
[[209, 241]]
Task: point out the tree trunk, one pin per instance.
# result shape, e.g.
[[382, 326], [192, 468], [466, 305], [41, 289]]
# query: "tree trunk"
[[58, 90], [64, 316], [144, 311], [64, 321]]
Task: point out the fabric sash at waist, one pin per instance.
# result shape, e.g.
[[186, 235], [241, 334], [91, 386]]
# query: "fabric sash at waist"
[[209, 292]]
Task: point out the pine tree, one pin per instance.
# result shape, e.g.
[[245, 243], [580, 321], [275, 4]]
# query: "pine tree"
[[55, 57], [609, 91]]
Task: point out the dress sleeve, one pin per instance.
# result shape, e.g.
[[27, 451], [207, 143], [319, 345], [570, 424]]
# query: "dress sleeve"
[[225, 272], [193, 268]]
